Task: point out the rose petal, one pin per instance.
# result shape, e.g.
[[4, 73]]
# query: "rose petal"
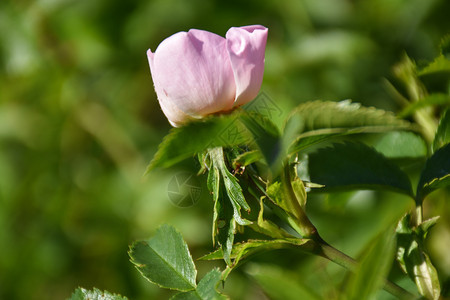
[[191, 71], [175, 116], [246, 47]]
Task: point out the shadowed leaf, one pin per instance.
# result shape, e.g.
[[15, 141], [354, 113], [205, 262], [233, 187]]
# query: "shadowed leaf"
[[350, 166], [436, 173], [442, 136]]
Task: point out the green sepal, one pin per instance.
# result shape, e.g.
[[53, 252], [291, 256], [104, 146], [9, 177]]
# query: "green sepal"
[[243, 250], [267, 227], [413, 259]]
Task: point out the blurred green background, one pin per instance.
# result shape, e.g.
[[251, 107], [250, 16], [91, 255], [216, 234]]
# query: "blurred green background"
[[79, 121]]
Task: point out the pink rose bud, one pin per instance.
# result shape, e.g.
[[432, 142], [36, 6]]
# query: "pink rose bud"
[[197, 73]]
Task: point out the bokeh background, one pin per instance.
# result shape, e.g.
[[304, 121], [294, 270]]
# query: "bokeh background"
[[79, 121]]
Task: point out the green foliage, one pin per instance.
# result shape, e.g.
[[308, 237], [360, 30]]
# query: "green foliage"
[[324, 120], [79, 120], [165, 260], [436, 173], [250, 247], [356, 166], [226, 192], [413, 258], [206, 289], [440, 65], [247, 158], [442, 136], [95, 294], [267, 227], [198, 136]]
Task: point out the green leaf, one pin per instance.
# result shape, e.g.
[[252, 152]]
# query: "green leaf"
[[298, 188], [304, 141], [442, 136], [374, 265], [281, 284], [265, 135], [224, 226], [350, 166], [440, 65], [228, 199], [206, 289], [426, 225], [95, 294], [436, 173], [429, 100], [267, 227], [194, 137], [401, 144], [232, 186], [165, 260], [247, 158], [250, 247], [415, 261], [323, 120]]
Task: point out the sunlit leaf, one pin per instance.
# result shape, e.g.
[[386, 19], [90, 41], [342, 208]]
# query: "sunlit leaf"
[[442, 136], [323, 120], [165, 260], [440, 65], [350, 166], [206, 289], [436, 173], [95, 294]]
